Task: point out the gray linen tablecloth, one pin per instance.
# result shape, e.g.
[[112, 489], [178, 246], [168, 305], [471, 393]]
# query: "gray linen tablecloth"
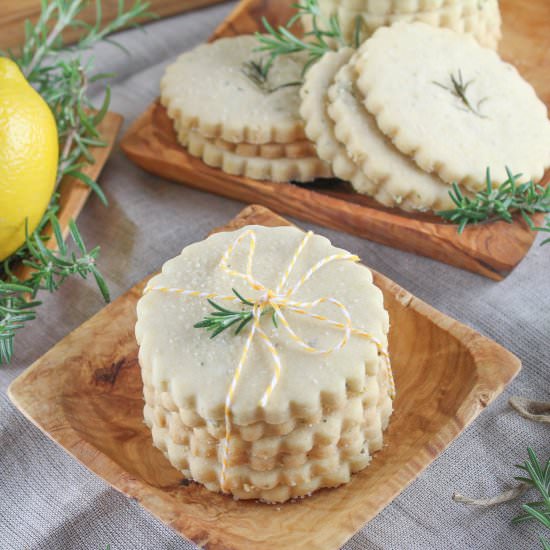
[[49, 501]]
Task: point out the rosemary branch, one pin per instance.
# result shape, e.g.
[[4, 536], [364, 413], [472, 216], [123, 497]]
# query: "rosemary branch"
[[18, 302], [499, 203], [326, 35], [536, 475], [222, 318], [543, 229], [63, 83]]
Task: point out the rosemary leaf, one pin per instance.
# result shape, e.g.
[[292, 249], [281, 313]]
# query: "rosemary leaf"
[[325, 36]]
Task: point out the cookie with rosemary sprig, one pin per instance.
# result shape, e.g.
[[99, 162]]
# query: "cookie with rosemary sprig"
[[228, 90], [454, 107], [395, 179]]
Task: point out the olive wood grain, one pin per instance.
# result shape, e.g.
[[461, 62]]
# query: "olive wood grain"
[[86, 394], [491, 249], [72, 192]]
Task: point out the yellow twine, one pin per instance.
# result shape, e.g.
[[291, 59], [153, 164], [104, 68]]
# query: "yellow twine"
[[278, 300]]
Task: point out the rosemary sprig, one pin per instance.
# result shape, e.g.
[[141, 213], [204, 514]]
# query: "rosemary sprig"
[[499, 203], [63, 83], [543, 229], [18, 302], [459, 89], [326, 35], [536, 476], [258, 73], [222, 318]]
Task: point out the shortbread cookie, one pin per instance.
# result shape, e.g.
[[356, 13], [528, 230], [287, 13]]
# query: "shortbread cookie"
[[416, 105], [448, 12], [162, 335], [368, 414], [298, 149], [382, 7], [481, 20], [295, 449], [275, 486], [208, 89], [399, 182], [303, 169], [334, 346], [320, 127], [250, 476], [325, 430]]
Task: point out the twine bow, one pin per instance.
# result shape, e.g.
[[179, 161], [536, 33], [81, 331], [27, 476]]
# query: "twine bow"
[[279, 299]]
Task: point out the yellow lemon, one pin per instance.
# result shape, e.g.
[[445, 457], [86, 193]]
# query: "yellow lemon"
[[28, 157]]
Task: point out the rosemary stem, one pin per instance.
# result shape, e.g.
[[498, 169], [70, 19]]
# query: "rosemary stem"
[[58, 28]]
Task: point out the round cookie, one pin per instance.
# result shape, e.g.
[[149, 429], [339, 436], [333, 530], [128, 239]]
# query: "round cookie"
[[319, 126], [383, 7], [452, 11], [302, 169], [483, 20], [407, 75], [399, 182], [165, 322], [359, 424], [298, 149], [207, 89]]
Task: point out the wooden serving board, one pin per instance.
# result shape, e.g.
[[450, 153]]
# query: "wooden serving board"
[[72, 192], [492, 250], [16, 12], [86, 394]]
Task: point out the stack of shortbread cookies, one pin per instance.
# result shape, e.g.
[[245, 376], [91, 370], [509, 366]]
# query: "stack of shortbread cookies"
[[480, 18], [327, 413], [415, 109], [418, 108], [227, 114]]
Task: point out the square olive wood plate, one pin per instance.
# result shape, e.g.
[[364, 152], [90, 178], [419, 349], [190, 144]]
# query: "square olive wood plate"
[[492, 250], [73, 193], [86, 394]]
